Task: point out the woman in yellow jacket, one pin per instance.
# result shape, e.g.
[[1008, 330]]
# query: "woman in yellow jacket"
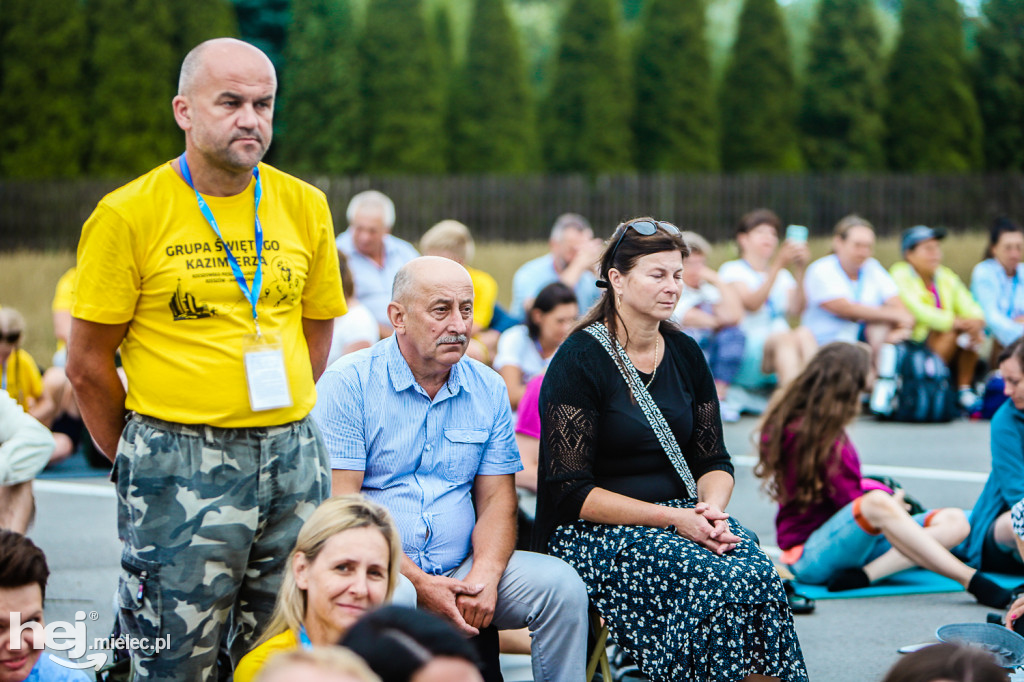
[[949, 320]]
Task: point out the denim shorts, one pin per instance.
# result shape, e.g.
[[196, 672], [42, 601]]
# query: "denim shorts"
[[842, 542]]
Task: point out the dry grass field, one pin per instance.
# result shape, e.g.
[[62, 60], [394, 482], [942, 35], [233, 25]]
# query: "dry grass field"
[[27, 278]]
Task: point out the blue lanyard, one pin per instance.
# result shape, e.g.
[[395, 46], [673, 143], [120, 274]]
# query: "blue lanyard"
[[304, 638], [858, 288], [252, 295], [1013, 297]]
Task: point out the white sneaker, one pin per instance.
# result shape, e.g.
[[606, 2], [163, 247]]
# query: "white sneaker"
[[969, 400], [730, 414]]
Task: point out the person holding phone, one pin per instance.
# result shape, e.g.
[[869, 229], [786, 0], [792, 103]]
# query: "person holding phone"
[[768, 277]]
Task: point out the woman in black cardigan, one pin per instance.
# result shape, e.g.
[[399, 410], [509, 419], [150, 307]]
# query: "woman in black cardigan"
[[682, 587]]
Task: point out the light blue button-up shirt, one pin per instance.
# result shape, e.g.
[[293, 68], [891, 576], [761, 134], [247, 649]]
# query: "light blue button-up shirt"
[[373, 282], [419, 456], [534, 275], [1001, 297]]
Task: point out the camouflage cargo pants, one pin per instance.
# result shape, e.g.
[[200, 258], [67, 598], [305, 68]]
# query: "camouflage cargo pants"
[[208, 518]]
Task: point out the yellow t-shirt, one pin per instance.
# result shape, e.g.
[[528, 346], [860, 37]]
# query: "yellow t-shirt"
[[20, 376], [148, 258], [252, 663], [485, 295], [64, 296]]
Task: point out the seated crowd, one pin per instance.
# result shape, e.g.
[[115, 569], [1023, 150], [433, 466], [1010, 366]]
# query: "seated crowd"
[[632, 345]]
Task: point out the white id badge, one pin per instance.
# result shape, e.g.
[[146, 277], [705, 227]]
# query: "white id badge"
[[265, 375]]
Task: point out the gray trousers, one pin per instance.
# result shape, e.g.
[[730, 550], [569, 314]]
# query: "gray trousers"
[[544, 594]]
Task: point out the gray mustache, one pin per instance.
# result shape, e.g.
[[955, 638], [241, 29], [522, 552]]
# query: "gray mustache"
[[460, 339]]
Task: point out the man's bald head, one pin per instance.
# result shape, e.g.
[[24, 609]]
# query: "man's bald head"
[[424, 273], [216, 49]]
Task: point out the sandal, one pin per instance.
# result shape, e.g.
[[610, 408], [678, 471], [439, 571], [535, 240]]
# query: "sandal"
[[799, 604]]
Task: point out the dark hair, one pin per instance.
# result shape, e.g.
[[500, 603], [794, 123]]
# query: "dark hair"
[[1014, 350], [549, 298], [954, 662], [813, 409], [759, 216], [632, 247], [1000, 226], [348, 285], [21, 562], [397, 641]]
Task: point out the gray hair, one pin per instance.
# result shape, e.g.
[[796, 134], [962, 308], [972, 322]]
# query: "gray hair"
[[11, 321], [372, 197], [402, 287], [697, 243], [569, 221]]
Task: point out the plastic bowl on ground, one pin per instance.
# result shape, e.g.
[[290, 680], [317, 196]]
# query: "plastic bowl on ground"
[[1005, 644]]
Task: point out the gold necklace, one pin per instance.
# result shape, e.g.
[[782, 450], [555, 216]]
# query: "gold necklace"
[[654, 372]]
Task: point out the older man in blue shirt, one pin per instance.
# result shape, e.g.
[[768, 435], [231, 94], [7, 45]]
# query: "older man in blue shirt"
[[428, 433]]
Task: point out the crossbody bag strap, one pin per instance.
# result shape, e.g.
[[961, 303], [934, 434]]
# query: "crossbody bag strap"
[[650, 409]]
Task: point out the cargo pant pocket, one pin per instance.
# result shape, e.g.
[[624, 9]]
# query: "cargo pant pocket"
[[139, 599]]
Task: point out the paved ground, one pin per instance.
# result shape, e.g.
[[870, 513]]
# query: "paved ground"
[[852, 639]]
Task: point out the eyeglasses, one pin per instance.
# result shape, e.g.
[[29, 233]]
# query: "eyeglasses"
[[646, 228], [10, 337]]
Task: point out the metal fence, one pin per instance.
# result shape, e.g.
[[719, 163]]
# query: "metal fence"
[[49, 214]]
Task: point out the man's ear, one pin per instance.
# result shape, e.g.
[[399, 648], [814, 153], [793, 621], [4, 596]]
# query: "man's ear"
[[396, 315], [182, 112]]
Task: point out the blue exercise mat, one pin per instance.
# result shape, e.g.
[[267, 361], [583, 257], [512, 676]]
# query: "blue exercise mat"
[[74, 466], [912, 581]]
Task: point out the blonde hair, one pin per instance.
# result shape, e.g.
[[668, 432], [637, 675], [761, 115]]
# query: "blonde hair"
[[327, 659], [448, 238], [847, 223], [333, 516]]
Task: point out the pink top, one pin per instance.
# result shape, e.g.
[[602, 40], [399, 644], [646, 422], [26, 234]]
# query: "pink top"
[[843, 485], [528, 418]]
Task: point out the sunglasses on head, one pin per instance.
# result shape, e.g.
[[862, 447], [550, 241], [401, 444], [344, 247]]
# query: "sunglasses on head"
[[646, 228], [10, 337]]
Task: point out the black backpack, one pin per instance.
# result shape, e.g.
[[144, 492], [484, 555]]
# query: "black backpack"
[[923, 388]]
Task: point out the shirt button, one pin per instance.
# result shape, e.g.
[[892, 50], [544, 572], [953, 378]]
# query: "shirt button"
[[429, 447]]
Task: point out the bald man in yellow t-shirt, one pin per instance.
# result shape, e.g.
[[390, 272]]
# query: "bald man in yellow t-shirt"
[[217, 276]]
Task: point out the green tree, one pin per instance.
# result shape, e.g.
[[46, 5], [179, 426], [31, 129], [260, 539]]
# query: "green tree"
[[318, 115], [491, 111], [841, 118], [264, 23], [999, 83], [199, 20], [43, 126], [932, 116], [443, 35], [585, 118], [403, 114], [675, 119], [134, 71], [759, 95]]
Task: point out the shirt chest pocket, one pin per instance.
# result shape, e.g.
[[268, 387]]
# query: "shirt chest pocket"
[[464, 449]]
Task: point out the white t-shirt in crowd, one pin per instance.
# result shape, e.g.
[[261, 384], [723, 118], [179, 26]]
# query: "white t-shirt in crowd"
[[827, 281], [771, 317], [358, 324], [704, 297], [517, 349]]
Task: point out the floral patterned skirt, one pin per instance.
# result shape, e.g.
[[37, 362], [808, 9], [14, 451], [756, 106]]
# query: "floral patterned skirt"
[[681, 611]]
